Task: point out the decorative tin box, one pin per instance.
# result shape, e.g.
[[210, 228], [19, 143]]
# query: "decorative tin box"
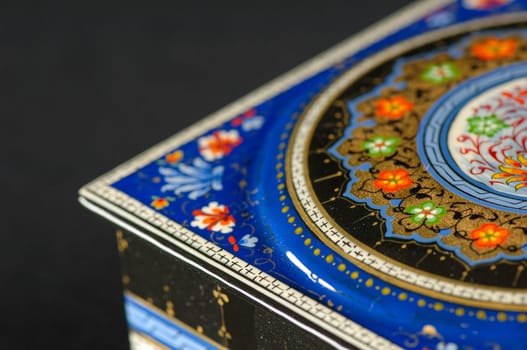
[[373, 198]]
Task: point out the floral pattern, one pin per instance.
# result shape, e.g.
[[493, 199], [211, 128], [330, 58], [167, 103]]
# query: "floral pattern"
[[249, 121], [253, 123], [513, 171], [518, 97], [489, 235], [160, 202], [174, 157], [248, 241], [486, 139], [381, 146], [492, 149], [488, 125], [494, 48], [393, 180], [196, 180], [219, 144], [428, 211], [440, 73], [394, 107], [201, 177], [214, 217]]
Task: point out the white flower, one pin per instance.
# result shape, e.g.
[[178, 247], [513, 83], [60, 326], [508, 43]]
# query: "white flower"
[[248, 241], [219, 144], [214, 217], [253, 123]]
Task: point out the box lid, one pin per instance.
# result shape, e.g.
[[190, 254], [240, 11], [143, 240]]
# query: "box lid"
[[377, 191]]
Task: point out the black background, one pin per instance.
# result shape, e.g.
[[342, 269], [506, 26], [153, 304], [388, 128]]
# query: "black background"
[[85, 87]]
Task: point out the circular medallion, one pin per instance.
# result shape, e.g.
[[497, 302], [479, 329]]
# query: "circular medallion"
[[474, 139], [413, 165]]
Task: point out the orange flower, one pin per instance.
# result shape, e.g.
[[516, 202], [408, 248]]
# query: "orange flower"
[[393, 180], [394, 107], [494, 48], [489, 235], [174, 157], [160, 203]]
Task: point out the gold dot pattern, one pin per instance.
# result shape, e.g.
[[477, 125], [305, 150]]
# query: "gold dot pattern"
[[354, 275]]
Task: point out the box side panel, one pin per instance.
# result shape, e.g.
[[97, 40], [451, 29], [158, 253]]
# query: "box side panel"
[[175, 306]]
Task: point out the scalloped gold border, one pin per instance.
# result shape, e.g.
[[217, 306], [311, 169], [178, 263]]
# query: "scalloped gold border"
[[324, 101]]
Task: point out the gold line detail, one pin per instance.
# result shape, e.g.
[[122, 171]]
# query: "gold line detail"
[[410, 44]]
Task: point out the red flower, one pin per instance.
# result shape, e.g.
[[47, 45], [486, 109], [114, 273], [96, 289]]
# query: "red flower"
[[174, 157], [160, 203], [394, 107], [489, 235], [494, 48], [484, 4], [393, 180], [239, 120]]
